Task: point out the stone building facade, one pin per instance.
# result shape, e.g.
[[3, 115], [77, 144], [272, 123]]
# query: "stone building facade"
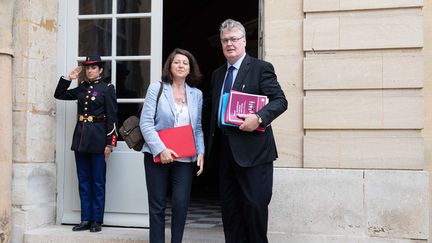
[[355, 145]]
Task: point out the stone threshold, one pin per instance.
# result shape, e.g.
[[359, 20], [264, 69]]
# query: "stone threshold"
[[64, 234]]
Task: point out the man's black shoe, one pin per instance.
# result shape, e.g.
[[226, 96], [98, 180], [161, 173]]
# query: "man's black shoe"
[[95, 227], [84, 225]]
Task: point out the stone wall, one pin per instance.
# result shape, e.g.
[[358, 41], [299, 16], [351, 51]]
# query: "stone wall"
[[283, 46], [34, 79], [353, 72], [6, 55], [427, 89]]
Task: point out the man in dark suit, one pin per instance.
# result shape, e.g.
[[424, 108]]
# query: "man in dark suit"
[[244, 156]]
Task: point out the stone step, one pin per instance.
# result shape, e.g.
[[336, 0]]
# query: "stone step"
[[64, 234]]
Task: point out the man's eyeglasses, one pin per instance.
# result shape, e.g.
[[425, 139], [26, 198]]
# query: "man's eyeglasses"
[[233, 40]]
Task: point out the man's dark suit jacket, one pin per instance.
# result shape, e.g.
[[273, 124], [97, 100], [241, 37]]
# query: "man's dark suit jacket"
[[248, 148]]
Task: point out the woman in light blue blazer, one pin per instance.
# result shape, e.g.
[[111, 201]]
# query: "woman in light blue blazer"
[[180, 103]]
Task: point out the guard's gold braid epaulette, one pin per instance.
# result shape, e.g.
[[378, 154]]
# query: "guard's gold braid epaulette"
[[114, 130]]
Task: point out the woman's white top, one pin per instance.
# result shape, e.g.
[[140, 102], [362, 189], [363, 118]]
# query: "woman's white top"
[[182, 119]]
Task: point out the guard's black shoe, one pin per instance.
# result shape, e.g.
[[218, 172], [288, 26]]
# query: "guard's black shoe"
[[84, 225], [95, 227]]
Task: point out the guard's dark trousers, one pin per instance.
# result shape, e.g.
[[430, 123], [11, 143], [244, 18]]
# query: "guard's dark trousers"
[[91, 171]]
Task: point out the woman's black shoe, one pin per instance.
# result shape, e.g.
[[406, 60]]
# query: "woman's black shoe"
[[95, 227], [84, 225]]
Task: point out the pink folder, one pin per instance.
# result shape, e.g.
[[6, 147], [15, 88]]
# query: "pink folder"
[[243, 103], [178, 139]]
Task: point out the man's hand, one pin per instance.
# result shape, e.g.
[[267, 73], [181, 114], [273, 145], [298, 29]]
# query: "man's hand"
[[250, 122]]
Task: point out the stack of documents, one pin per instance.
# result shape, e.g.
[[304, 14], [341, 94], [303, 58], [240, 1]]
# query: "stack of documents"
[[237, 102]]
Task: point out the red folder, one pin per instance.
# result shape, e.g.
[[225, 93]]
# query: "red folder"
[[178, 139]]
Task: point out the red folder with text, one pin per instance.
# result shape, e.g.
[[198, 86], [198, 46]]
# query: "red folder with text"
[[243, 103], [180, 140]]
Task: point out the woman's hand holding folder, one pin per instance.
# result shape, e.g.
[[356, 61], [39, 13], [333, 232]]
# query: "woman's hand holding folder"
[[167, 156]]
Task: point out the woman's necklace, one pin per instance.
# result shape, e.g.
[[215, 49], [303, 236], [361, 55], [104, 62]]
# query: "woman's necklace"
[[180, 100], [179, 92], [178, 112]]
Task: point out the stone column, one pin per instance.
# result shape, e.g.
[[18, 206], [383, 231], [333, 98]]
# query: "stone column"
[[6, 54], [34, 79]]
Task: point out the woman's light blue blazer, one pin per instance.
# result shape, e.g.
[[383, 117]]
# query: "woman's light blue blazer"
[[165, 116]]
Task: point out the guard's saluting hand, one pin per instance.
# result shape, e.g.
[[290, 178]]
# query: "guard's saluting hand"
[[75, 73]]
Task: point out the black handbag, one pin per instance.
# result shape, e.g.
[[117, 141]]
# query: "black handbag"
[[130, 130]]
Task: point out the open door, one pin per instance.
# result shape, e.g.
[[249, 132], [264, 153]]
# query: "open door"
[[194, 25]]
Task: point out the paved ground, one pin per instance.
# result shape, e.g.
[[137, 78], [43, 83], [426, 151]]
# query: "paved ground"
[[64, 234], [203, 225], [202, 214]]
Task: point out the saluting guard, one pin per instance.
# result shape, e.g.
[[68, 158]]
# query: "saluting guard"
[[94, 136]]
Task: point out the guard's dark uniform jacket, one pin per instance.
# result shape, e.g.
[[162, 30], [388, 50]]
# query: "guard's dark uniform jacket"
[[97, 114]]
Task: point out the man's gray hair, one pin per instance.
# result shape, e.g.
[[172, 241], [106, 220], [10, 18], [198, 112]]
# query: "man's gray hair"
[[231, 24]]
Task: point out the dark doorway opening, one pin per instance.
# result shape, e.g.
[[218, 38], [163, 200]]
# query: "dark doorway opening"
[[194, 25]]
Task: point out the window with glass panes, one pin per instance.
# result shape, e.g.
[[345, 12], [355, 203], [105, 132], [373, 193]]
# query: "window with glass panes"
[[120, 31]]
